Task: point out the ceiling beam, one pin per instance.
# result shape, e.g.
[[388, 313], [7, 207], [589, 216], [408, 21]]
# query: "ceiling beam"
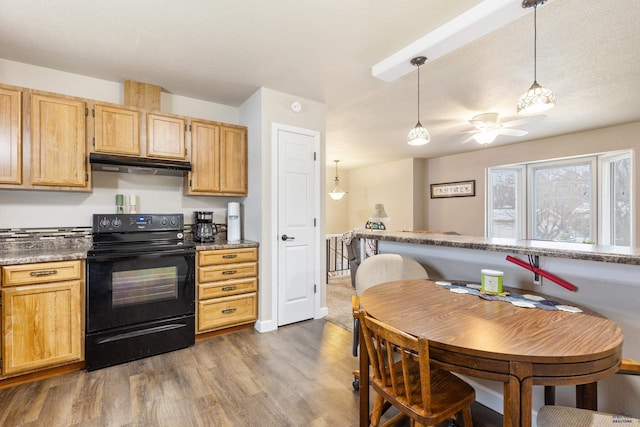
[[480, 20]]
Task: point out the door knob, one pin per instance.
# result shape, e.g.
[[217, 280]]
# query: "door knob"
[[285, 237]]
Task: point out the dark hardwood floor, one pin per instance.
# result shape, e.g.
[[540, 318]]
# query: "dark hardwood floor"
[[299, 375]]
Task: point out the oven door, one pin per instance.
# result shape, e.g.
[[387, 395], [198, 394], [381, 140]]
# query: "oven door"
[[129, 288]]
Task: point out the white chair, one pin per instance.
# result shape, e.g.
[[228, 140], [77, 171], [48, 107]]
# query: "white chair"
[[378, 269], [563, 416]]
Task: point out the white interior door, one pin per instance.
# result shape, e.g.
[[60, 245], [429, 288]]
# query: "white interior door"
[[296, 228]]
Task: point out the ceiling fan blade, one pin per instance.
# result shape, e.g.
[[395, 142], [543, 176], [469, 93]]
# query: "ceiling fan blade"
[[467, 139], [513, 132]]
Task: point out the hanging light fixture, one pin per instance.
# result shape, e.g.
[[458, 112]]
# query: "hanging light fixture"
[[336, 193], [418, 135], [537, 99]]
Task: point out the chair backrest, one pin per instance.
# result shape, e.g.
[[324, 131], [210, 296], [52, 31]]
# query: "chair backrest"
[[386, 268], [399, 362]]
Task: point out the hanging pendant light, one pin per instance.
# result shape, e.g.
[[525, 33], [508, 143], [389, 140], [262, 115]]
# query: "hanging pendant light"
[[537, 99], [418, 135], [336, 193]]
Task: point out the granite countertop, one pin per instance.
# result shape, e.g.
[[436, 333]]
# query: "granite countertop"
[[18, 254], [27, 256], [581, 251]]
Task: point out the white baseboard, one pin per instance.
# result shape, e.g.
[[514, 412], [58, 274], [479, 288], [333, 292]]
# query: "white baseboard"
[[265, 326]]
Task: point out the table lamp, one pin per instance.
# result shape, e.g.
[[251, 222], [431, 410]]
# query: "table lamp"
[[377, 218]]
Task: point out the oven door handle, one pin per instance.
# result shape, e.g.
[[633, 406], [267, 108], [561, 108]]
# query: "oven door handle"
[[142, 254]]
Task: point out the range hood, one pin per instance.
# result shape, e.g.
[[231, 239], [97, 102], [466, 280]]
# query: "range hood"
[[138, 165]]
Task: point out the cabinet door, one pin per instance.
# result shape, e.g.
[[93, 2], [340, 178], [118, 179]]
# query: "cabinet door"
[[58, 144], [10, 136], [204, 177], [165, 137], [117, 130], [233, 161], [42, 326]]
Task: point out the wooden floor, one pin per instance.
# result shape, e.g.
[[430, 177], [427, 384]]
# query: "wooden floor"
[[299, 375]]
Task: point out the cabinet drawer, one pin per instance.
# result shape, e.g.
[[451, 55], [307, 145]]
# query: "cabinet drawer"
[[226, 256], [45, 272], [221, 312], [228, 287], [227, 272]]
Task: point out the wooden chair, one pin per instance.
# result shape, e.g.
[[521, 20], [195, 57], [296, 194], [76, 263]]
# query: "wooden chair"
[[402, 376], [562, 416], [373, 271]]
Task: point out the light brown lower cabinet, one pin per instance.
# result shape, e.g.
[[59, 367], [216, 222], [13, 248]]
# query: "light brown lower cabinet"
[[227, 288], [42, 316]]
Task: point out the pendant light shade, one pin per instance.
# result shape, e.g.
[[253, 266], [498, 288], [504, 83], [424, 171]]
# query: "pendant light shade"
[[418, 135], [336, 193], [537, 99]]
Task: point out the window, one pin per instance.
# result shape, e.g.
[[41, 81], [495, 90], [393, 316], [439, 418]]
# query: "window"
[[582, 199]]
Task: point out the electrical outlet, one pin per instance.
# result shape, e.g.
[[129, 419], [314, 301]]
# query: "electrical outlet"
[[537, 280]]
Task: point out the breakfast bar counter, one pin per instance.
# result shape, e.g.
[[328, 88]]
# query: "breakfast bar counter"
[[581, 251]]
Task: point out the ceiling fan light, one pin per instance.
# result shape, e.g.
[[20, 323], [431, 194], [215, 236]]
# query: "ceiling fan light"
[[536, 100], [418, 135], [487, 136]]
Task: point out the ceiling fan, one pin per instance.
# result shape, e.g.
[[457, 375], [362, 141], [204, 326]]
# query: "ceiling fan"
[[488, 128]]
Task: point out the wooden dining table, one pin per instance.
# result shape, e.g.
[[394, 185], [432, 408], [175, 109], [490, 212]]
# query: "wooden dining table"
[[499, 341]]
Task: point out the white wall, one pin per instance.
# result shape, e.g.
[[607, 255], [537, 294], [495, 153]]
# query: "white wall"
[[158, 194], [274, 107], [393, 184], [337, 211]]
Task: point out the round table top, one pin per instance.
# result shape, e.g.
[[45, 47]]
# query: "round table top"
[[496, 329]]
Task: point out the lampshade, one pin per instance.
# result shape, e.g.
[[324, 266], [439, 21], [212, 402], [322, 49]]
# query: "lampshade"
[[379, 214], [537, 99], [418, 135], [336, 193]]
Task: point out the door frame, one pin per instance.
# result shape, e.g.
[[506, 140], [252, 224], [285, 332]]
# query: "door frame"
[[275, 128]]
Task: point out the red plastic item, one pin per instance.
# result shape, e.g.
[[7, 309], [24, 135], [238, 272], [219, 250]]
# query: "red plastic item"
[[543, 273]]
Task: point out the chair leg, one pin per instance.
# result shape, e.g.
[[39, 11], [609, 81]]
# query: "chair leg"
[[466, 417], [378, 409]]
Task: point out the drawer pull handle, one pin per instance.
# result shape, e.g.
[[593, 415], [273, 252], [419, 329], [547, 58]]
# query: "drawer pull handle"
[[43, 273], [229, 311], [230, 256], [229, 288], [230, 272]]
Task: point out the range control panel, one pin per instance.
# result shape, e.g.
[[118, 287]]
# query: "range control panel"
[[109, 223]]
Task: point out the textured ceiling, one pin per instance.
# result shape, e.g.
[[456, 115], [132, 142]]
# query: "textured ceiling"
[[223, 50]]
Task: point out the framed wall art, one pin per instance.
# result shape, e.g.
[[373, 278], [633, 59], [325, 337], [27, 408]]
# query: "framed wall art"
[[453, 189]]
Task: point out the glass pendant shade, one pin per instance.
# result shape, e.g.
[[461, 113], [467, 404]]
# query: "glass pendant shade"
[[336, 193], [418, 135], [536, 100]]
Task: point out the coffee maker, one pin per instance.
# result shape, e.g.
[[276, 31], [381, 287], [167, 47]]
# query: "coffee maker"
[[203, 227]]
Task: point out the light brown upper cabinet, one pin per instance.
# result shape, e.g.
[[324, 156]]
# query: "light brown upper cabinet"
[[117, 130], [58, 141], [204, 177], [233, 160], [218, 160], [10, 136], [165, 136]]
